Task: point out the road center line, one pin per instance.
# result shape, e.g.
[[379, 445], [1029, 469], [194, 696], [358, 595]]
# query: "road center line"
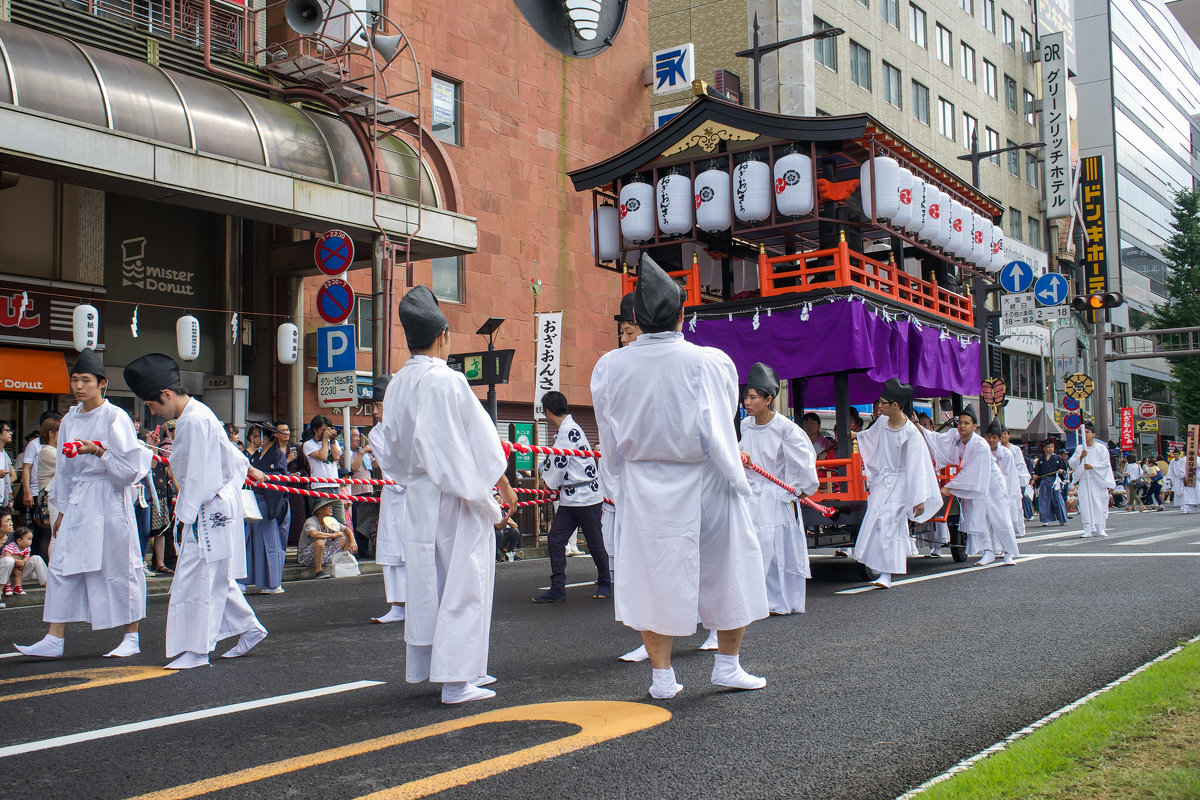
[[950, 574], [176, 719]]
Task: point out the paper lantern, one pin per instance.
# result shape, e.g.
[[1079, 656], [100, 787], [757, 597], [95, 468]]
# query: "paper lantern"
[[606, 238], [752, 191], [980, 240], [287, 343], [674, 204], [960, 230], [946, 205], [637, 211], [794, 185], [886, 200], [714, 203], [917, 223], [904, 199], [85, 327], [931, 229], [187, 337], [999, 259]]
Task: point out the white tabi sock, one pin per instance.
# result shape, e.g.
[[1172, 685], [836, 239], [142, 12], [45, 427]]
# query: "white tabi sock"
[[637, 654], [727, 671], [884, 581], [246, 641], [485, 680], [189, 660], [710, 643], [464, 692], [129, 646], [664, 685], [48, 647], [1009, 560], [394, 614], [988, 557]]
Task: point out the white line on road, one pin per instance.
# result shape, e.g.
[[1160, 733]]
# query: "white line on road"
[[1112, 555], [1044, 536], [950, 574], [569, 585], [175, 719], [1162, 537], [967, 763], [10, 655]]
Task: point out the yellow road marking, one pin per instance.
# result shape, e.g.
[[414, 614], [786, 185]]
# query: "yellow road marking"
[[598, 721], [92, 678]]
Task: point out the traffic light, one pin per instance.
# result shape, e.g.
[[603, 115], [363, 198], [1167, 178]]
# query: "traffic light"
[[1094, 302]]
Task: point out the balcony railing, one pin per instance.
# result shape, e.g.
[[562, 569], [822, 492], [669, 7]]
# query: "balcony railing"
[[232, 22], [690, 278]]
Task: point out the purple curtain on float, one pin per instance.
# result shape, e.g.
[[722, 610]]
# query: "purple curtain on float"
[[844, 336]]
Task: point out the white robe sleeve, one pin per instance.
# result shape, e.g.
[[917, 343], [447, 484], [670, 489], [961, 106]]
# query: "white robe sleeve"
[[125, 458], [939, 446], [717, 396], [64, 471], [610, 455], [799, 459], [196, 462], [975, 473], [920, 476]]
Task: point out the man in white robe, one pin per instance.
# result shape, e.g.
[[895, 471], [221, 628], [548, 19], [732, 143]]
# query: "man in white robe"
[[902, 481], [1091, 472], [440, 444], [1186, 497], [96, 571], [778, 445], [665, 411], [1006, 460], [980, 488], [939, 537], [206, 604], [1016, 488], [389, 534]]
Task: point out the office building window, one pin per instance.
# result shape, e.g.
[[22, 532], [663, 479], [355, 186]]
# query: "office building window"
[[447, 278], [945, 46], [825, 50], [1033, 171], [1014, 160], [1027, 45], [1014, 224], [945, 118], [1008, 30], [920, 102], [860, 65], [969, 128], [989, 15], [989, 78], [916, 25], [967, 6], [889, 10], [447, 109], [993, 143], [1035, 231], [1028, 105], [891, 85], [364, 312], [1010, 94], [966, 54]]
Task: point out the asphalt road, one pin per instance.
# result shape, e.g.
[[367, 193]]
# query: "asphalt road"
[[869, 694]]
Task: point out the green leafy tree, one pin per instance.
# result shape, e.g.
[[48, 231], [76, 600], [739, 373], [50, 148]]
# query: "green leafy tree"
[[1183, 309]]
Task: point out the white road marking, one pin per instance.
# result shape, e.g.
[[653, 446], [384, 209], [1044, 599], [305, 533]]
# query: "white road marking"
[[967, 763], [1113, 555], [1044, 536], [176, 719], [1110, 538], [1162, 537], [569, 585], [10, 655], [997, 563]]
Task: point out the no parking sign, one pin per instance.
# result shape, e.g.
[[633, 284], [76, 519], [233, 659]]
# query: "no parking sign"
[[334, 252]]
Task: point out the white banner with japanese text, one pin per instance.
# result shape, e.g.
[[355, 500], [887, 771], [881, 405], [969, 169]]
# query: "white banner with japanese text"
[[1057, 157], [548, 364]]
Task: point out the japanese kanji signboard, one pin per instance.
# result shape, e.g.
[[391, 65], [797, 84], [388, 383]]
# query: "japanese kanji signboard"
[[1057, 163], [1091, 194], [548, 365]]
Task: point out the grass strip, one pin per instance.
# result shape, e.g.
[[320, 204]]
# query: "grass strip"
[[1137, 741]]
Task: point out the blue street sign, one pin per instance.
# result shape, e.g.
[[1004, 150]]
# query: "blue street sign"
[[1050, 289], [335, 348], [334, 252], [1016, 276]]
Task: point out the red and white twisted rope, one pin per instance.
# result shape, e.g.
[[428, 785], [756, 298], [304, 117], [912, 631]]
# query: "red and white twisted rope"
[[824, 510], [347, 498]]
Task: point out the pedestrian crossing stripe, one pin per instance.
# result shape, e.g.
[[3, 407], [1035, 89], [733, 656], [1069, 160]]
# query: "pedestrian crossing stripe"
[[92, 679], [598, 722]]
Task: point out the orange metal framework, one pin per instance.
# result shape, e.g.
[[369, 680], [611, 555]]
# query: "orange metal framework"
[[690, 277], [842, 479], [842, 268]]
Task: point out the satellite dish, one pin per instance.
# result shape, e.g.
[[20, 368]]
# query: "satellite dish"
[[304, 16]]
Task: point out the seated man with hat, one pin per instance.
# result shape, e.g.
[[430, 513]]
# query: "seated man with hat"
[[322, 538]]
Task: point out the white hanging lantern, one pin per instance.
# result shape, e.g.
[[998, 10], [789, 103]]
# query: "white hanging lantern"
[[946, 206], [187, 337], [606, 236], [999, 259], [637, 211], [904, 199], [886, 200], [752, 192], [287, 343], [674, 204], [794, 185], [917, 223], [960, 230], [980, 239], [714, 203], [932, 228], [85, 327]]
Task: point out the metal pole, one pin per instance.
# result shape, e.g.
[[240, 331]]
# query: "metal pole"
[[757, 58], [493, 409], [1102, 413]]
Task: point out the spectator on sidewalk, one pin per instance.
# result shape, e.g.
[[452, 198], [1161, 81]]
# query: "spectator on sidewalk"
[[19, 563], [508, 539], [1134, 483], [8, 473], [361, 467], [322, 538], [323, 453], [45, 514], [265, 550], [1153, 479]]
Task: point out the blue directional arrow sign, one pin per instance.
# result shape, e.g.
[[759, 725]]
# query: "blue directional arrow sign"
[[1050, 289], [1016, 276]]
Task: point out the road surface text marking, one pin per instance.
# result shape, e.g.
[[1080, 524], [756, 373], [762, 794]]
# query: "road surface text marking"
[[92, 678]]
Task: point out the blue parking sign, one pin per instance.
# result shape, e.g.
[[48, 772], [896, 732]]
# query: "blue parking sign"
[[336, 348]]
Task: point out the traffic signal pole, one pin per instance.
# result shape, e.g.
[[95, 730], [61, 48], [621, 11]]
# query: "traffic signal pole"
[[1101, 346]]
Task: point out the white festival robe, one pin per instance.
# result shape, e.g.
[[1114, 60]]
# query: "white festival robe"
[[981, 490], [442, 447], [784, 450], [687, 546], [96, 573], [608, 514], [574, 477], [1016, 488], [1186, 497], [389, 539], [206, 604], [1092, 486], [901, 477]]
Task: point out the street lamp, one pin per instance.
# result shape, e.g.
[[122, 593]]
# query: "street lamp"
[[758, 50], [488, 329]]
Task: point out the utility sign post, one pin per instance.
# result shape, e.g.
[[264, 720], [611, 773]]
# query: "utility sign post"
[[336, 377]]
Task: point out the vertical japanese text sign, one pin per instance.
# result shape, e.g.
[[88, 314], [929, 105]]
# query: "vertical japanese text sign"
[[1091, 195], [1057, 133], [1126, 429], [548, 364], [1193, 441]]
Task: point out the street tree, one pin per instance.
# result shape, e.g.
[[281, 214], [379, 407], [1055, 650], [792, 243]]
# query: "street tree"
[[1183, 309]]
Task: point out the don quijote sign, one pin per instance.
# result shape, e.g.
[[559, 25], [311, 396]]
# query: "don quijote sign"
[[137, 271], [39, 312]]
